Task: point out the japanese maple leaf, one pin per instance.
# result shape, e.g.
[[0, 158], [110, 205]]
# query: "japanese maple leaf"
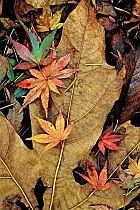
[[38, 52], [54, 135], [46, 80], [133, 168], [97, 182], [107, 139]]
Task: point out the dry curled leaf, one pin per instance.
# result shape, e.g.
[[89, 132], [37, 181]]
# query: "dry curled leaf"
[[54, 135], [108, 138], [97, 182], [94, 92], [132, 98], [134, 168], [46, 80], [48, 21]]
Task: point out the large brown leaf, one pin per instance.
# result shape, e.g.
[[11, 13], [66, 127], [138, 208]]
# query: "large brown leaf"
[[95, 91]]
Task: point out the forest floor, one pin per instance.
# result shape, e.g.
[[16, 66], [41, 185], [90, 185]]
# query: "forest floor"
[[70, 104]]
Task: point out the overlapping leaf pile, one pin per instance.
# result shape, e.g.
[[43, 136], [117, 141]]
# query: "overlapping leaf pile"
[[84, 105]]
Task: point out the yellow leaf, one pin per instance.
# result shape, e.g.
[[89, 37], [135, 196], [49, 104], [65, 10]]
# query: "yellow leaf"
[[54, 135]]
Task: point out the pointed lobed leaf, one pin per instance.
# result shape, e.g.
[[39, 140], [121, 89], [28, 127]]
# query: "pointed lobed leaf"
[[22, 51], [30, 97], [135, 167], [45, 100], [47, 126], [60, 124], [25, 65], [33, 38], [45, 46], [67, 131], [103, 175], [41, 138]]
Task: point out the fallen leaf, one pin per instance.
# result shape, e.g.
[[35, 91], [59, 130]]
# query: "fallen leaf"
[[101, 207], [39, 50], [3, 67], [107, 139], [14, 118], [95, 90], [48, 21], [22, 163], [42, 3], [46, 80], [97, 182], [54, 135], [134, 168], [132, 98]]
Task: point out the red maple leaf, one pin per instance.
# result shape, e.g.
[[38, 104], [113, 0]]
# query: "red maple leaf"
[[107, 139], [46, 80], [97, 182]]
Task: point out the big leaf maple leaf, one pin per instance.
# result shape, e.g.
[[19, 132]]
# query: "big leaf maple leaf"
[[46, 80], [107, 139], [54, 135], [97, 182]]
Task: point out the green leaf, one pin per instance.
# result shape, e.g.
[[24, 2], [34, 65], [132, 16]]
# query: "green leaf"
[[3, 67], [19, 92], [10, 71], [45, 45], [33, 38]]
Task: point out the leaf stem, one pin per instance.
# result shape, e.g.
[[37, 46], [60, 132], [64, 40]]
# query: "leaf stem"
[[13, 178], [56, 173]]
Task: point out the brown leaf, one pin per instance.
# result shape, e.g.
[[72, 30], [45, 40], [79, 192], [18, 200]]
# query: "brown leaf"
[[132, 99], [41, 3], [95, 90], [24, 164], [14, 118]]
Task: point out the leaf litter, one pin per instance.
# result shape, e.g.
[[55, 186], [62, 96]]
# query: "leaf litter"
[[87, 101]]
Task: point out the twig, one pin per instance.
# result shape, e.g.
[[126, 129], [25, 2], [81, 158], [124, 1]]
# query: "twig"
[[56, 173], [13, 178], [4, 107]]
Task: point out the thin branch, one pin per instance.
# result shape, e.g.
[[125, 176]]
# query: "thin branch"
[[13, 178]]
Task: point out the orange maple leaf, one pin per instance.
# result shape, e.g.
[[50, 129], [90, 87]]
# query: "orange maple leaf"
[[107, 139], [46, 80], [54, 135], [97, 182]]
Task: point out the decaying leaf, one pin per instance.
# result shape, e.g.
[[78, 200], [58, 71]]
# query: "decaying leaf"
[[42, 3], [39, 50], [94, 92], [46, 80], [54, 135], [48, 21], [101, 207], [3, 67], [97, 182], [132, 99], [107, 139], [134, 168], [14, 118]]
